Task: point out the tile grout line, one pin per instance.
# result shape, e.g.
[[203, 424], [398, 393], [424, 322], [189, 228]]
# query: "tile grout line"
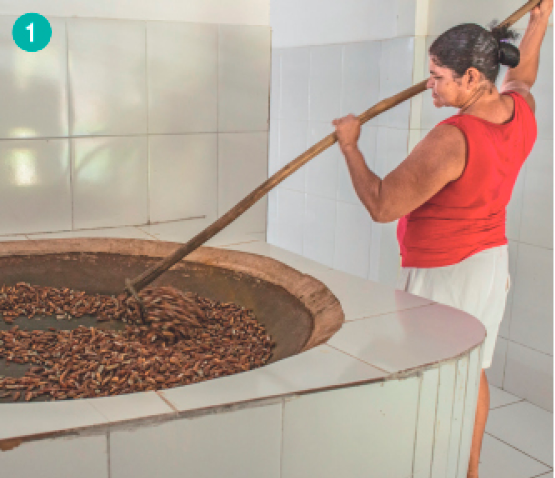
[[463, 414], [515, 448], [359, 359], [508, 404], [109, 454], [166, 401], [148, 149], [147, 233], [218, 43], [384, 313], [338, 161], [455, 381], [135, 135], [305, 193], [69, 130], [420, 384], [282, 437], [527, 346], [435, 419]]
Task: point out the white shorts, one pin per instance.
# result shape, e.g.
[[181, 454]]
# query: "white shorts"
[[477, 285]]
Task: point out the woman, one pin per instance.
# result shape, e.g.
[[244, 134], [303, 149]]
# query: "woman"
[[451, 192]]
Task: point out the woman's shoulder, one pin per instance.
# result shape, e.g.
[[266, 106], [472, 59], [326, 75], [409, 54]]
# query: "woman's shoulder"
[[522, 97]]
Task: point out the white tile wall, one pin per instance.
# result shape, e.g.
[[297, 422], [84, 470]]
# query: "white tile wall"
[[532, 311], [249, 441], [182, 69], [390, 255], [243, 78], [321, 172], [85, 457], [34, 85], [273, 147], [396, 63], [360, 86], [240, 12], [406, 17], [537, 197], [129, 232], [318, 22], [295, 74], [309, 82], [445, 14], [293, 141], [543, 88], [317, 422], [275, 84], [391, 149], [109, 176], [353, 236], [34, 186], [242, 167], [272, 225], [325, 83], [529, 375], [107, 81], [290, 219], [319, 229], [106, 84], [183, 176]]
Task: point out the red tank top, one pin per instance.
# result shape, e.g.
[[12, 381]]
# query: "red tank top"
[[468, 214]]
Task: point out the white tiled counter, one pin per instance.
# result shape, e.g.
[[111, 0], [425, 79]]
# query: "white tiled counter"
[[392, 394]]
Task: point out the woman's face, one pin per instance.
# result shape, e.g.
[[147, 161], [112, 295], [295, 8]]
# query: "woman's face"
[[446, 91]]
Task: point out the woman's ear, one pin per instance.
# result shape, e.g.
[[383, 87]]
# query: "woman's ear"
[[473, 78]]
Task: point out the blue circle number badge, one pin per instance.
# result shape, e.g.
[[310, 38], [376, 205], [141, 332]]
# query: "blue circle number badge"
[[32, 32]]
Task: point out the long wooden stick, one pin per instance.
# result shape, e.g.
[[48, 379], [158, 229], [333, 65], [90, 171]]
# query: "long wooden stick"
[[155, 271]]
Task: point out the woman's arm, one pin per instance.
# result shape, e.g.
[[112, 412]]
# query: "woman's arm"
[[437, 160], [524, 75]]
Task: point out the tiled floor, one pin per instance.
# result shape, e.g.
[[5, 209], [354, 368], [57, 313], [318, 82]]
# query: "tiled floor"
[[519, 439]]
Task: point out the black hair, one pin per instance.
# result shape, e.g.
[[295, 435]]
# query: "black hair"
[[472, 46]]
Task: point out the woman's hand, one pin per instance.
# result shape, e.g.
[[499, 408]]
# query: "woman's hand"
[[544, 9], [347, 130]]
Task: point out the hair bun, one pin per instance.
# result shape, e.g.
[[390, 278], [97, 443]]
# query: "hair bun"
[[509, 54]]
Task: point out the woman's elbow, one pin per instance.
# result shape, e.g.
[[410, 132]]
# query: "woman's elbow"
[[382, 215], [377, 214]]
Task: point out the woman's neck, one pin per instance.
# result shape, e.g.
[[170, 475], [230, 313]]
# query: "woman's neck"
[[480, 99], [489, 105]]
